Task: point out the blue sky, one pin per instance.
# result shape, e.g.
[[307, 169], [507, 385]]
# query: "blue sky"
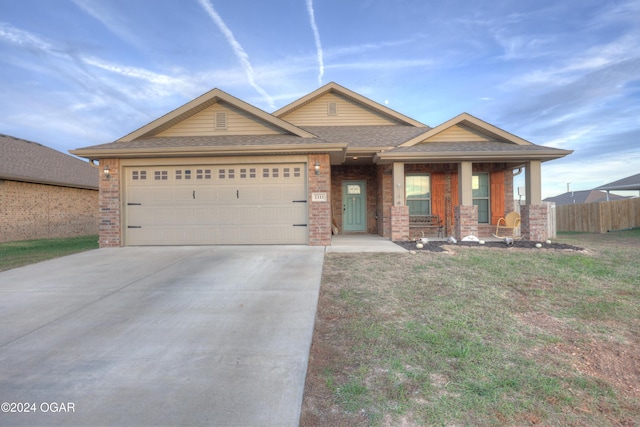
[[565, 74]]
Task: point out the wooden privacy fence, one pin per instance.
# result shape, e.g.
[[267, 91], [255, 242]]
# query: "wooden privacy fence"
[[599, 217]]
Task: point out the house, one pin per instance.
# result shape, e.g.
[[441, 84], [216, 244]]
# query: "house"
[[584, 196], [45, 193], [220, 171]]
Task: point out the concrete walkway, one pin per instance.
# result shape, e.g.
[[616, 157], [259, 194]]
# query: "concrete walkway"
[[362, 243], [159, 336]]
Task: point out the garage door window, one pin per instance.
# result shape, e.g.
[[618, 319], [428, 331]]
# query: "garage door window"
[[139, 175], [161, 175]]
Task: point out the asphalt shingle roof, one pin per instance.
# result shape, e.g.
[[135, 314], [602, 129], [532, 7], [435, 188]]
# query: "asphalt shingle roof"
[[583, 196], [471, 146], [367, 136], [27, 161], [207, 141], [629, 183]]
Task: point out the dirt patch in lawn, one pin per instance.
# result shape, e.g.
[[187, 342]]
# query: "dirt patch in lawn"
[[615, 360]]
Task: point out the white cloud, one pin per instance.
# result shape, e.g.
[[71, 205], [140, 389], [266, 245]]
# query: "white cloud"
[[112, 23], [316, 37], [240, 53]]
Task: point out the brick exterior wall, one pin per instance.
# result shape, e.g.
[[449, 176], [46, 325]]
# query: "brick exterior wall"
[[38, 211], [533, 222], [339, 174], [466, 221], [110, 215], [399, 217], [384, 178], [319, 212]]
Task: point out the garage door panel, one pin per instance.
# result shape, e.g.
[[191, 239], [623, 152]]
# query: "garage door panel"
[[223, 204]]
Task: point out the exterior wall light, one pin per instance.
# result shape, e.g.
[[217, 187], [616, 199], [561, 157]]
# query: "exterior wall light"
[[317, 167], [106, 171]]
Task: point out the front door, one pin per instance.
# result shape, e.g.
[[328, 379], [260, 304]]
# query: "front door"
[[354, 206]]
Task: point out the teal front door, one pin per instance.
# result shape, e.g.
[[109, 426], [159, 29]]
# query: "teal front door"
[[354, 206]]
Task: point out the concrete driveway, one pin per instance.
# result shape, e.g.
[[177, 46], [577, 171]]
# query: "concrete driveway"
[[159, 336]]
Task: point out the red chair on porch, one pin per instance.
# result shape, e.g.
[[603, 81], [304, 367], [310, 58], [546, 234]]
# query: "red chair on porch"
[[508, 226]]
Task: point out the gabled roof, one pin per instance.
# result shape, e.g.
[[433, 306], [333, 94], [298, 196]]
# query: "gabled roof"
[[336, 88], [27, 161], [467, 119], [625, 184], [584, 196], [495, 145], [200, 103]]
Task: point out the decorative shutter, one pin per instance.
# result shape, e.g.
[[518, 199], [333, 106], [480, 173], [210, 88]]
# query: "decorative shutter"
[[496, 182]]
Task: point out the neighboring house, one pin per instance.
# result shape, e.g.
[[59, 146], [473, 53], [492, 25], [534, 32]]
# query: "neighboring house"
[[585, 196], [221, 171], [45, 193]]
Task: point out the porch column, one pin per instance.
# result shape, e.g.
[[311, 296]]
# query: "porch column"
[[399, 212], [533, 225], [465, 212], [533, 182], [398, 184], [465, 182]]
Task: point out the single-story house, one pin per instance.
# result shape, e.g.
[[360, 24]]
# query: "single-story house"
[[220, 171], [45, 193], [583, 196]]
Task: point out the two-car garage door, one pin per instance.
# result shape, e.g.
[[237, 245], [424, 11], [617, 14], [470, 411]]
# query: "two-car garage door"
[[216, 204]]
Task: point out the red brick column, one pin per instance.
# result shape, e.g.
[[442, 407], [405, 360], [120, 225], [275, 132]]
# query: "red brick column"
[[533, 224], [109, 199], [399, 223], [319, 224], [466, 219]]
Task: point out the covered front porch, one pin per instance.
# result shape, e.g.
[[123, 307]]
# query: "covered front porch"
[[467, 197]]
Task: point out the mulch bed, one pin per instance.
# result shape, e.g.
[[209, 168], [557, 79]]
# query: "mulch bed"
[[438, 246]]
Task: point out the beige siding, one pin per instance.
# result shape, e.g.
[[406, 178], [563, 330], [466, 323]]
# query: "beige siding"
[[238, 123], [459, 133], [349, 113]]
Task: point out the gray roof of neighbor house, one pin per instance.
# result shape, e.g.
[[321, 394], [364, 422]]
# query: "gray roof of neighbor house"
[[629, 183], [584, 196], [27, 161]]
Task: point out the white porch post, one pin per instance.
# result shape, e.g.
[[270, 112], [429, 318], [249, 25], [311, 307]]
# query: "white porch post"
[[465, 182], [398, 184], [399, 212], [533, 182]]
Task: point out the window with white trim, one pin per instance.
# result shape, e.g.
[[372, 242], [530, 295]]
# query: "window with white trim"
[[418, 194], [480, 187]]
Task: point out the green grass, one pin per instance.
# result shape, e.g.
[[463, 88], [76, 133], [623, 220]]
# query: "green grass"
[[24, 252], [480, 337]]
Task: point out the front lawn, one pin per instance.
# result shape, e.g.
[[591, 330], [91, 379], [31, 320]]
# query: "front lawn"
[[24, 252], [479, 336]]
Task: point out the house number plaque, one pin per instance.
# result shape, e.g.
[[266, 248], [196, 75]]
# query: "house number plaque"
[[318, 197]]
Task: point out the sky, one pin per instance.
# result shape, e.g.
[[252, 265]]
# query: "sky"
[[564, 74]]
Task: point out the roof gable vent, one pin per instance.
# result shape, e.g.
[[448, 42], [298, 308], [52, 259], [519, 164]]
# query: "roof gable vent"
[[332, 108], [221, 120]]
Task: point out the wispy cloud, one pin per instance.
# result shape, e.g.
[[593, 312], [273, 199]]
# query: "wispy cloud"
[[100, 13], [316, 37], [240, 53]]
